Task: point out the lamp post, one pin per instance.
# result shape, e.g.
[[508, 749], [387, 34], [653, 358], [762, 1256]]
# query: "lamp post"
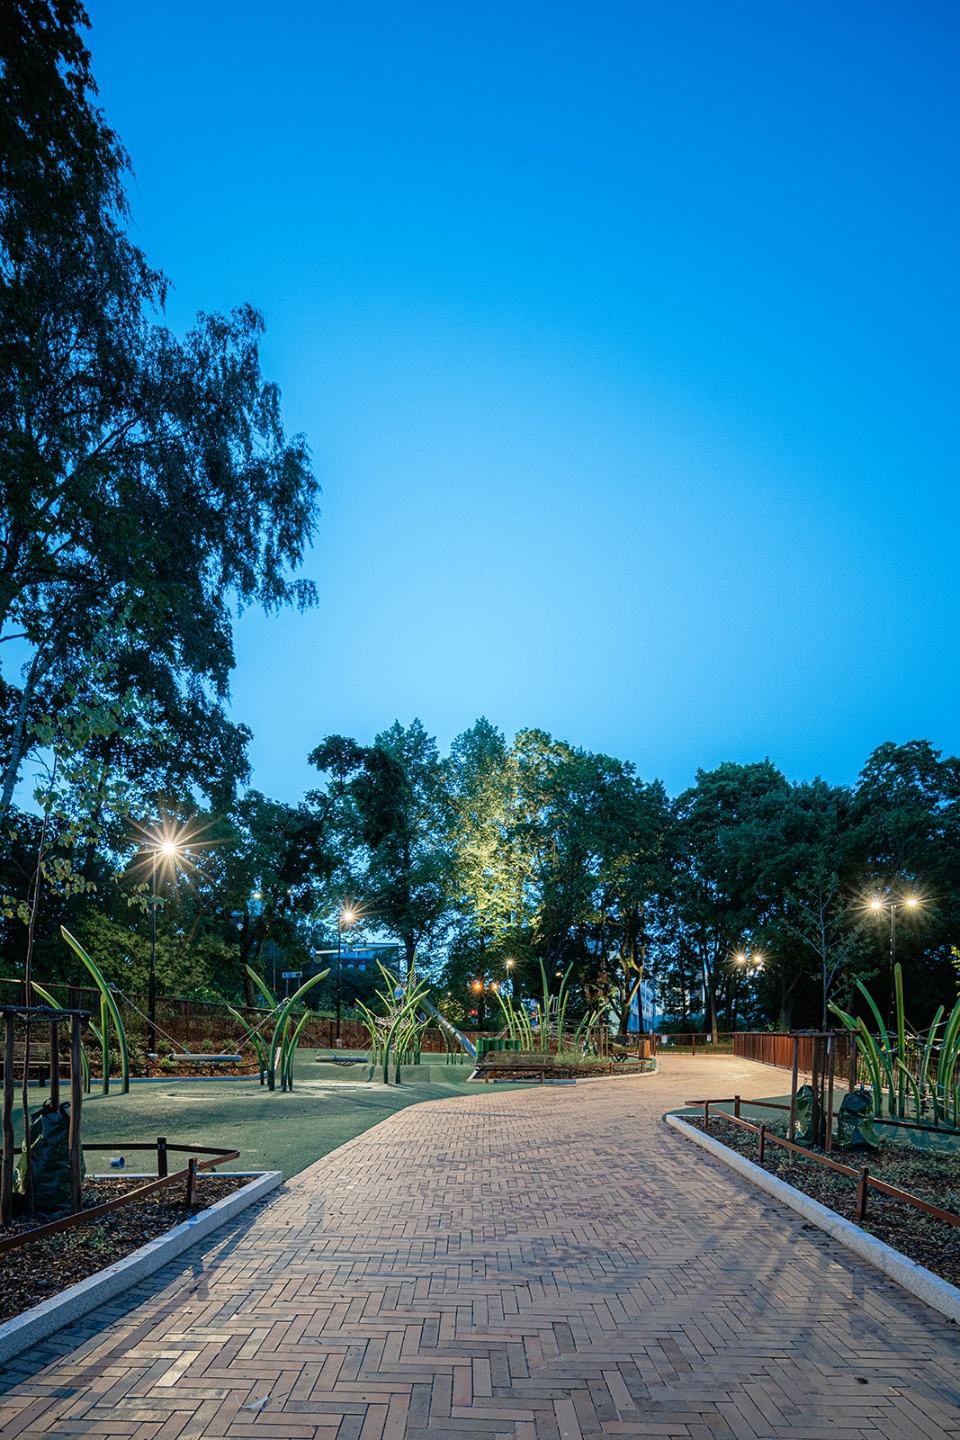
[[905, 902], [169, 849], [345, 916], [750, 964], [481, 987]]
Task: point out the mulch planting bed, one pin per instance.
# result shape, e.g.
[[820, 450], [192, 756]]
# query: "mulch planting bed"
[[157, 1070], [38, 1270], [929, 1176]]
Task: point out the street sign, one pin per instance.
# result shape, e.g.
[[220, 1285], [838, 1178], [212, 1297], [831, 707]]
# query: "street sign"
[[290, 974]]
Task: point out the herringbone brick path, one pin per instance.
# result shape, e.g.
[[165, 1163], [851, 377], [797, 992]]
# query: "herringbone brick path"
[[545, 1264]]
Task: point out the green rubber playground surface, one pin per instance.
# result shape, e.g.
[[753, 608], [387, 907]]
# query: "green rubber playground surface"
[[329, 1105]]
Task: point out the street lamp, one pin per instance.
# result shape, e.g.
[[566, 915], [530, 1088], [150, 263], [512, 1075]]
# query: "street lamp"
[[166, 848], [903, 902], [750, 963], [345, 916]]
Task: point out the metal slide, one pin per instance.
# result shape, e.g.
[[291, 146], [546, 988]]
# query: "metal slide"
[[430, 1009]]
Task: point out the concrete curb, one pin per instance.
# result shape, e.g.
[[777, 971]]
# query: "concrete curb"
[[920, 1281], [61, 1310]]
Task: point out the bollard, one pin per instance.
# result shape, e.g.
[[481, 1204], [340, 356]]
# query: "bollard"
[[862, 1195], [192, 1180], [761, 1143], [161, 1157]]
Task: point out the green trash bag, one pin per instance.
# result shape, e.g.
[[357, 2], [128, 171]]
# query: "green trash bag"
[[803, 1134], [50, 1161], [855, 1123]]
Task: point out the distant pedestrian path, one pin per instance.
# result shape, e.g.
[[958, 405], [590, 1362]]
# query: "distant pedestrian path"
[[545, 1264]]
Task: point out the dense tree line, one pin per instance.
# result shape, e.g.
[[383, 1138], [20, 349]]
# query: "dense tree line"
[[745, 900]]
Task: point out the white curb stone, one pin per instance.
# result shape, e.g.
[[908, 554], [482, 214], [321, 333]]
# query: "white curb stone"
[[920, 1281], [60, 1310]]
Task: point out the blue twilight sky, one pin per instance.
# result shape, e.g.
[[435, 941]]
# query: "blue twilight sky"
[[624, 336]]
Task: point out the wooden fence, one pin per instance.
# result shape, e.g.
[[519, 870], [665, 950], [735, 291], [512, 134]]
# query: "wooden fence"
[[769, 1048]]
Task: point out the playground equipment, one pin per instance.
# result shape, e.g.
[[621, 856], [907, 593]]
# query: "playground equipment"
[[396, 1035], [109, 1014], [277, 1059], [450, 1030]]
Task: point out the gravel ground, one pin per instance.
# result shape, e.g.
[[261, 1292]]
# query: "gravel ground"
[[930, 1176], [41, 1269]]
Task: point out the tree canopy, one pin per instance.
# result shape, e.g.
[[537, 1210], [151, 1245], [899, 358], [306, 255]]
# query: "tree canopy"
[[145, 478]]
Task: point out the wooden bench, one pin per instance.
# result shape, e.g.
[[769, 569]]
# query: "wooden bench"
[[521, 1065], [39, 1060]]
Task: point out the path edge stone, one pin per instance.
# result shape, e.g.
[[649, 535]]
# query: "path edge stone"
[[45, 1319], [935, 1292]]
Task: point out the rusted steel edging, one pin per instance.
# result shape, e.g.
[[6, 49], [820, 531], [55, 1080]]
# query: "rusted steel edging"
[[80, 1217], [947, 1216], [935, 1292], [742, 1100], [45, 1319]]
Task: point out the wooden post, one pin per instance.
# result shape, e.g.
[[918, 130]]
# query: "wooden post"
[[192, 1180], [736, 1106], [862, 1195], [6, 1183], [792, 1128], [761, 1144], [25, 1150], [706, 1114], [54, 1065], [816, 1080], [831, 1061], [161, 1156], [76, 1103]]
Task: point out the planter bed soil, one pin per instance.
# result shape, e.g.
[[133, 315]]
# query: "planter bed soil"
[[156, 1070], [930, 1176], [35, 1272]]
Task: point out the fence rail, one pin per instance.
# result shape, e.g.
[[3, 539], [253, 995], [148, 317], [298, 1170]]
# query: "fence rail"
[[865, 1181], [162, 1149]]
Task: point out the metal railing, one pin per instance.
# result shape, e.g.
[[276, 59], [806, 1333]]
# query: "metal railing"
[[697, 1042]]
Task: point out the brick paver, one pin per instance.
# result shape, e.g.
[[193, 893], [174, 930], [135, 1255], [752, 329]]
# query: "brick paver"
[[545, 1264]]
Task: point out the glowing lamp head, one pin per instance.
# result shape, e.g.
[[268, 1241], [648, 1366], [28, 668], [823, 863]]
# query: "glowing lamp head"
[[876, 903], [169, 849], [347, 917], [912, 901], [740, 958]]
